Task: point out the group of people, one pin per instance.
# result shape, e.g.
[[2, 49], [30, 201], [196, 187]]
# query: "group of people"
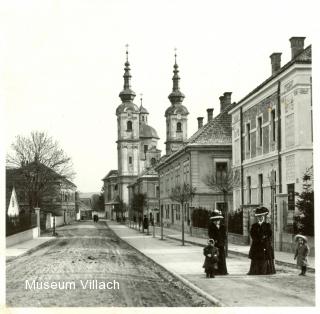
[[261, 251]]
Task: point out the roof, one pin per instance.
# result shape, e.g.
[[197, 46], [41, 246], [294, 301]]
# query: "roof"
[[218, 131], [111, 173], [143, 110], [304, 57], [127, 106], [176, 109], [146, 131]]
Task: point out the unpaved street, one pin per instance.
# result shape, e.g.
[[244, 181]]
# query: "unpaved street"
[[88, 251]]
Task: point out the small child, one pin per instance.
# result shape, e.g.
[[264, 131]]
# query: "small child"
[[211, 261], [302, 252]]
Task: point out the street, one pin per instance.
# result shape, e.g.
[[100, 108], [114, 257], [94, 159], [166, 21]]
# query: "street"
[[87, 251], [87, 254]]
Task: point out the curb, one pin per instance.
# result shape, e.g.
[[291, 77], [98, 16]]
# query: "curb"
[[288, 264], [204, 294]]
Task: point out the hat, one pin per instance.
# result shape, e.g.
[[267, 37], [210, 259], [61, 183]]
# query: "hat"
[[216, 215], [261, 211], [297, 236], [210, 241]]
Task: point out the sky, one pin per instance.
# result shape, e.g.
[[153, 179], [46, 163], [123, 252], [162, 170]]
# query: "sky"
[[63, 64]]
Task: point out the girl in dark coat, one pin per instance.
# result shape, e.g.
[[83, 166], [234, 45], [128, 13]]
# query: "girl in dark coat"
[[261, 251], [211, 262], [217, 232]]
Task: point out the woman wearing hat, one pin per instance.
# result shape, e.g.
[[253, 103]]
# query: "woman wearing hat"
[[217, 232], [261, 252]]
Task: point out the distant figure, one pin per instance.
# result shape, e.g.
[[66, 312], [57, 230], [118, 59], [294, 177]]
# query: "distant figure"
[[302, 252], [217, 232], [211, 261], [145, 223], [261, 251], [95, 218]]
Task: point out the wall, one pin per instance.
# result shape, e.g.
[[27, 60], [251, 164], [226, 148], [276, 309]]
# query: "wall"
[[22, 237]]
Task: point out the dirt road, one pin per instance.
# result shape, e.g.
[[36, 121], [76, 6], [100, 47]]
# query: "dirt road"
[[92, 255]]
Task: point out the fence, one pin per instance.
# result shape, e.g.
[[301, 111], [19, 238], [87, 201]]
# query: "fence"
[[20, 223]]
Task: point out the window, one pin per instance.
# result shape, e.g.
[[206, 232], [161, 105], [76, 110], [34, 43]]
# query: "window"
[[129, 126], [177, 208], [221, 171], [248, 137], [259, 130], [116, 187], [130, 160], [153, 161], [249, 189], [273, 125], [179, 127], [260, 179], [142, 118], [145, 148]]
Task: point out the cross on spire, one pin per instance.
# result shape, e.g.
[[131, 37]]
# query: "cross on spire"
[[127, 51], [141, 98]]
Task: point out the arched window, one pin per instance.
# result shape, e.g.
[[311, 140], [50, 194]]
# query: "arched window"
[[153, 161], [179, 127], [129, 126], [116, 187]]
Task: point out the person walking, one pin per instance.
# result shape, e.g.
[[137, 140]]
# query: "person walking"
[[145, 223], [211, 261], [261, 251], [302, 252], [217, 232]]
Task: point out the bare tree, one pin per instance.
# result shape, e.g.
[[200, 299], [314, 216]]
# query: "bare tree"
[[182, 194], [223, 184], [43, 167]]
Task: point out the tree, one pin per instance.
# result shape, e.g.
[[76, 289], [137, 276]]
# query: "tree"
[[305, 204], [43, 166], [224, 183], [98, 202], [139, 201], [182, 194]]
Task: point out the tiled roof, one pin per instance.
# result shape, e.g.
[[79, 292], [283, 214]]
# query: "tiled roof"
[[111, 173]]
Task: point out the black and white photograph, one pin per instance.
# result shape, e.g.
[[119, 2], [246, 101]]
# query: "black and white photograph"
[[158, 154]]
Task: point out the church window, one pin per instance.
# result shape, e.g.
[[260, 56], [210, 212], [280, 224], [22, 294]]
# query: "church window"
[[129, 126], [179, 127], [116, 187], [130, 160]]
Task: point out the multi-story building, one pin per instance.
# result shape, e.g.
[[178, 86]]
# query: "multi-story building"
[[207, 152], [136, 145], [272, 139]]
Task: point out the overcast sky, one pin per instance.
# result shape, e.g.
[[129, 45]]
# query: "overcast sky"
[[63, 64]]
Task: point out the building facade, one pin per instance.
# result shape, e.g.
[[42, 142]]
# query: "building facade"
[[272, 140], [208, 152], [136, 145]]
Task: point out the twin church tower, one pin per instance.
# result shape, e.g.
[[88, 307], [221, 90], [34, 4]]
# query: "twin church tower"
[[137, 141]]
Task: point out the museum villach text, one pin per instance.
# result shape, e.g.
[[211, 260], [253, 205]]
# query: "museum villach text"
[[90, 284]]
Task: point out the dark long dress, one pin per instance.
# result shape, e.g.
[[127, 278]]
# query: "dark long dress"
[[261, 251], [219, 236]]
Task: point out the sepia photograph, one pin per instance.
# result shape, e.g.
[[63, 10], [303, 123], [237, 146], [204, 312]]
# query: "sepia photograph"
[[158, 154]]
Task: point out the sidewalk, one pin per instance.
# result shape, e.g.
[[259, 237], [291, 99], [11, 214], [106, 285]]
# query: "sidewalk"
[[23, 247], [185, 262], [281, 258]]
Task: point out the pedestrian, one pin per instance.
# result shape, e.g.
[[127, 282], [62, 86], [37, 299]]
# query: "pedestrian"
[[302, 252], [217, 232], [145, 222], [211, 261], [261, 251]]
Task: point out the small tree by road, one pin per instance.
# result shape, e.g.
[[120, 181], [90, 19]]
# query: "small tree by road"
[[182, 194], [139, 201], [224, 183]]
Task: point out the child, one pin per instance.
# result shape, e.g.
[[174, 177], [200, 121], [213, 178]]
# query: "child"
[[302, 252], [211, 261]]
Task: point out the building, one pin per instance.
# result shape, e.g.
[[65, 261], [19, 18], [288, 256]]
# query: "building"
[[58, 199], [272, 141], [208, 151], [136, 146]]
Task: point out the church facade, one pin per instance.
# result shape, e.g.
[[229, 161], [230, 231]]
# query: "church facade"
[[136, 145]]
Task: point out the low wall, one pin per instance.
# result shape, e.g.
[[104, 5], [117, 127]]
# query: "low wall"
[[59, 221], [22, 236], [289, 245]]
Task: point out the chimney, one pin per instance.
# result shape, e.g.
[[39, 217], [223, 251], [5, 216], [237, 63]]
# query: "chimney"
[[210, 114], [275, 62], [297, 45], [227, 98], [221, 103], [200, 122]]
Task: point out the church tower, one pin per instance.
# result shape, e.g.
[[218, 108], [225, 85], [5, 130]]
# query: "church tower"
[[128, 135], [176, 116]]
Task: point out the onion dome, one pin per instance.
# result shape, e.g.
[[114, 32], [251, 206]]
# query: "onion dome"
[[146, 131]]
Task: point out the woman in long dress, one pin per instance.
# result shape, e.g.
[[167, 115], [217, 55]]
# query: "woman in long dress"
[[217, 232], [261, 251]]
